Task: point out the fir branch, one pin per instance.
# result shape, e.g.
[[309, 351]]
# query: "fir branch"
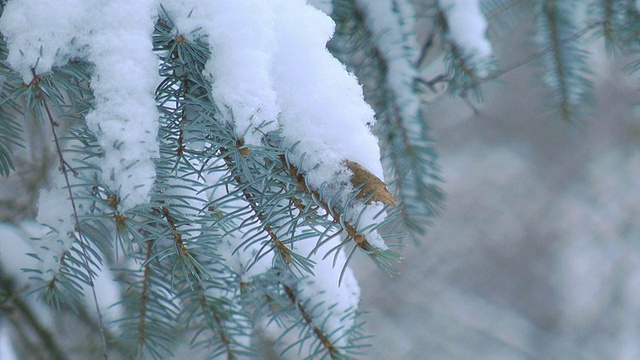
[[151, 327], [144, 297], [215, 322], [408, 153], [620, 29], [336, 215], [183, 254], [10, 132], [536, 56], [495, 9], [565, 107], [328, 345], [214, 319], [14, 304], [285, 254], [565, 66], [65, 168]]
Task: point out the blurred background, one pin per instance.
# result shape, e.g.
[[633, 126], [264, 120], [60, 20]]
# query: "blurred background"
[[536, 254]]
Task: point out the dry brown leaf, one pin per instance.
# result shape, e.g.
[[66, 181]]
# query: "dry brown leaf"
[[372, 184]]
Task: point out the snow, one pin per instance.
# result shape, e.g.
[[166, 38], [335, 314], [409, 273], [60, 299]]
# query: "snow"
[[124, 81], [467, 27], [270, 69], [271, 64], [242, 41], [323, 108], [40, 33], [241, 38]]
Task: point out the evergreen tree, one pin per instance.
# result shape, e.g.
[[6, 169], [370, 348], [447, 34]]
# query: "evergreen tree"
[[194, 177]]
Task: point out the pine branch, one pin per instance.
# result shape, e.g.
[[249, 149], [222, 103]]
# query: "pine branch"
[[537, 55], [151, 327]]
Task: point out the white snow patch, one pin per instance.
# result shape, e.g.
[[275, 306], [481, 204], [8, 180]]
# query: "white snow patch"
[[41, 33], [323, 108], [124, 81]]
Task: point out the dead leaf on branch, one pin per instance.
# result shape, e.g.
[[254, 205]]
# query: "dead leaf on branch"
[[372, 184]]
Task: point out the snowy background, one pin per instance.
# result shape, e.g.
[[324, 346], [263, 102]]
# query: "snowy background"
[[536, 253]]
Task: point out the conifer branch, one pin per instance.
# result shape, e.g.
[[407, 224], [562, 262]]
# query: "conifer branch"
[[535, 56], [336, 215], [144, 297], [215, 322], [285, 254], [328, 345], [552, 22], [14, 304], [65, 168], [408, 153]]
